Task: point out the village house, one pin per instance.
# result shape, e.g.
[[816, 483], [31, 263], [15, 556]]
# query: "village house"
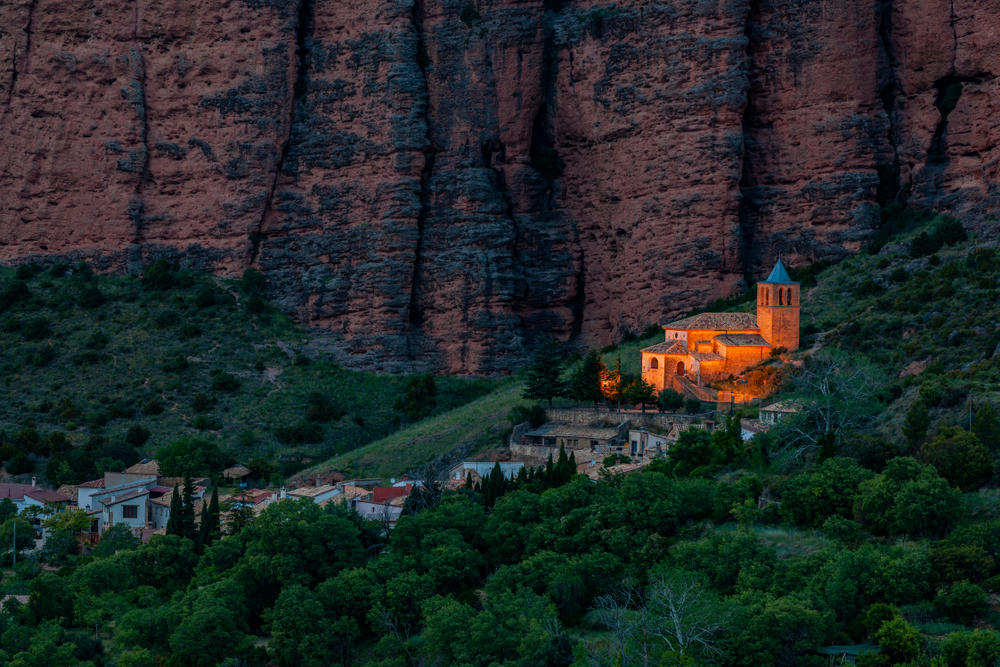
[[30, 495], [239, 475], [315, 493], [772, 414], [574, 437], [643, 444], [713, 346]]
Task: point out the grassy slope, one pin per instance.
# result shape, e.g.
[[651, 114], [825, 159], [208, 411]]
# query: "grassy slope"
[[482, 423], [143, 327]]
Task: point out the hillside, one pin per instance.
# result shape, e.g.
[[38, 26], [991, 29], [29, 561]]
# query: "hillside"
[[87, 358]]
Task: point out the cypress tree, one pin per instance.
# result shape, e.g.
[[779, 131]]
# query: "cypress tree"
[[214, 518], [175, 513], [544, 376], [468, 480], [186, 525], [562, 468], [572, 465], [203, 529], [549, 479], [916, 423]]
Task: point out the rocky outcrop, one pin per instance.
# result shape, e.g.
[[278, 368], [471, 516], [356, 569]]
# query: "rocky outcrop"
[[434, 183]]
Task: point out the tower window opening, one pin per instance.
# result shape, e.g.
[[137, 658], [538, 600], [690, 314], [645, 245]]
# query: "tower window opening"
[[767, 297], [781, 297]]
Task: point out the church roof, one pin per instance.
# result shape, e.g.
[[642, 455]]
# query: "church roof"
[[706, 356], [742, 340], [716, 322], [669, 347], [780, 275]]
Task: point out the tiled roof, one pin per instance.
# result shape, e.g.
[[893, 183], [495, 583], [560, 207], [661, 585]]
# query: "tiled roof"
[[311, 491], [380, 494], [68, 490], [669, 347], [706, 356], [572, 431], [151, 468], [16, 491], [350, 493], [743, 340], [107, 502], [93, 484], [46, 496], [716, 322], [236, 471], [782, 406]]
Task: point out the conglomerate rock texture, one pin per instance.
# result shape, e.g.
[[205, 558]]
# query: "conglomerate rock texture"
[[436, 183]]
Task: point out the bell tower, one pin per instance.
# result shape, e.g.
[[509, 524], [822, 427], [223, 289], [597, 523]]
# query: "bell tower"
[[778, 308]]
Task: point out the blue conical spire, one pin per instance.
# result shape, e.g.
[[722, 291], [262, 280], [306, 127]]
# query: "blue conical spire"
[[780, 275]]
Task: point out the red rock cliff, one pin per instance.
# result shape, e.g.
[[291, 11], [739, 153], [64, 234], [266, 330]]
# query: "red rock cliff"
[[437, 182]]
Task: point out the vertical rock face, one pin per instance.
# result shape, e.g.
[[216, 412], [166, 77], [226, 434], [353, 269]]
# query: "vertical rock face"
[[436, 183]]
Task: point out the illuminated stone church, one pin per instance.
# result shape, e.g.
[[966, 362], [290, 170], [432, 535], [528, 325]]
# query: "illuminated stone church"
[[712, 346]]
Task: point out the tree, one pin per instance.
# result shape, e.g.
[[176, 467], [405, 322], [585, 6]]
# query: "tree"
[[544, 375], [586, 383], [303, 634], [239, 514], [73, 520], [8, 510], [686, 614], [670, 400], [909, 498], [191, 456], [186, 524], [836, 396], [898, 640], [979, 648], [117, 538], [959, 457], [25, 535], [641, 393], [419, 399], [692, 450], [174, 520], [809, 499], [986, 426], [917, 421]]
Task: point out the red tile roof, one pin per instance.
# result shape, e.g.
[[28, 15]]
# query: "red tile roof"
[[380, 494], [45, 496], [674, 347], [715, 322]]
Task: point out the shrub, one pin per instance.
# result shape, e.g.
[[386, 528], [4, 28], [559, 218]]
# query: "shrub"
[[253, 283], [205, 298], [979, 647], [962, 603], [469, 14], [522, 413], [899, 275], [97, 341], [13, 292], [302, 360], [90, 297], [692, 406], [152, 407], [158, 276], [189, 330], [41, 356], [959, 457], [301, 433], [255, 304], [321, 410], [205, 423], [20, 464], [37, 329], [137, 435], [173, 363], [167, 319], [201, 403], [223, 381], [26, 272], [420, 398]]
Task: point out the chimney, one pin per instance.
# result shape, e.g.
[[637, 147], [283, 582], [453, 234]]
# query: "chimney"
[[283, 493], [274, 497], [32, 482]]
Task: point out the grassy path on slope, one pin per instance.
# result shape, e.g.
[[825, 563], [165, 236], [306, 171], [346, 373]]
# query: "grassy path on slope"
[[482, 422]]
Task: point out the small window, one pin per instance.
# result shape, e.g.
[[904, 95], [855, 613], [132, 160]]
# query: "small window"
[[130, 511], [767, 297], [654, 363], [789, 296], [781, 297]]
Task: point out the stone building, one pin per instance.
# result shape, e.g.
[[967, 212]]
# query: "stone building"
[[711, 346]]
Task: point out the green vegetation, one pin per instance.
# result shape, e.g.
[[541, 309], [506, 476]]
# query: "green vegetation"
[[112, 369]]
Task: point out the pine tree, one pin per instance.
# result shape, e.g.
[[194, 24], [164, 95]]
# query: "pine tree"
[[987, 426], [175, 513], [214, 517], [586, 383], [641, 393], [544, 376], [917, 421]]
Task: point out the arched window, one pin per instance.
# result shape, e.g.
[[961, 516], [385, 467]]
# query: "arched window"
[[767, 297], [789, 296], [654, 363], [781, 297]]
